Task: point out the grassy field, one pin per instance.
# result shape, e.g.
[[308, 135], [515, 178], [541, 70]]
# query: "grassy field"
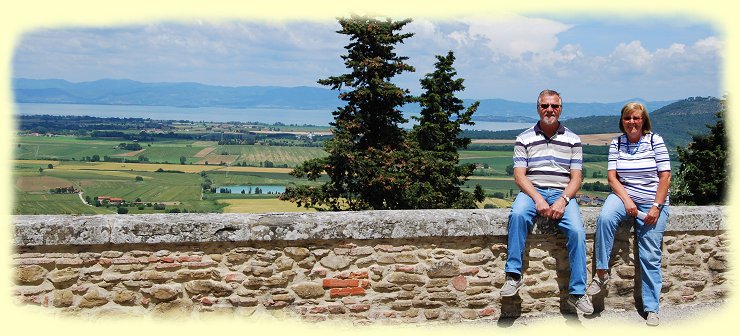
[[69, 148], [253, 155], [261, 206], [179, 186], [51, 204]]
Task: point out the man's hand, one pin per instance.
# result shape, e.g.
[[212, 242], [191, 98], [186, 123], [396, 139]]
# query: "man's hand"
[[543, 209], [558, 208]]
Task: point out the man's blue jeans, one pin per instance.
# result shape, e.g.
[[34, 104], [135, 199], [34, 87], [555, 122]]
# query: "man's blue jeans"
[[522, 214], [649, 246]]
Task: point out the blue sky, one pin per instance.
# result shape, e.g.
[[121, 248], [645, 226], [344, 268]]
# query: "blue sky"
[[509, 56]]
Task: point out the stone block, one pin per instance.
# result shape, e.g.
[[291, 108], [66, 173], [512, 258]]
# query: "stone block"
[[283, 263], [235, 258], [459, 283], [335, 262], [426, 304], [94, 297], [362, 251], [164, 292], [543, 290], [717, 263], [474, 259], [30, 275], [64, 277], [208, 287], [405, 278], [626, 271], [444, 269], [124, 297], [401, 305], [62, 298], [306, 290], [685, 259], [537, 254]]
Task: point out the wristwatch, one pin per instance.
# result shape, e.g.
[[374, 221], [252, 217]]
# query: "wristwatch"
[[658, 205], [567, 199]]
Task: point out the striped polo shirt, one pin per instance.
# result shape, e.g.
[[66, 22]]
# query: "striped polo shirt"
[[637, 165], [548, 161]]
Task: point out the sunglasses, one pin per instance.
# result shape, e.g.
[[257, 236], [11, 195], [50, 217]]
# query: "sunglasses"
[[632, 118], [545, 106]]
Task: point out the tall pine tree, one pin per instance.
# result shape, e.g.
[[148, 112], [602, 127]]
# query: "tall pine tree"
[[436, 139], [368, 154], [372, 162]]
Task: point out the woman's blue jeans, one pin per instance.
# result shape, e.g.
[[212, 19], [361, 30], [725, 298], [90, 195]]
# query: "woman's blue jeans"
[[521, 216], [649, 246]]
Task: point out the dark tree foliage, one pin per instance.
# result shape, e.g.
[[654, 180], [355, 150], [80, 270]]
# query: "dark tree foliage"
[[435, 140], [372, 162], [367, 160], [702, 176]]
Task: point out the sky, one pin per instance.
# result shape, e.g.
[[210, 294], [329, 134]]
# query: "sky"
[[506, 55]]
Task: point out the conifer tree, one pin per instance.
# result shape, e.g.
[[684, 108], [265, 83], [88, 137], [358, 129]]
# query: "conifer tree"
[[368, 155], [436, 140], [702, 176]]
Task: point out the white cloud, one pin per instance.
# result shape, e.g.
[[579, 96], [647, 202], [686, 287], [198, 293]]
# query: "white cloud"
[[505, 56], [630, 58], [513, 36]]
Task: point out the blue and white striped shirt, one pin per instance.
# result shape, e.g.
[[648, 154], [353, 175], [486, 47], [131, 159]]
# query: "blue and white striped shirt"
[[637, 165], [548, 161]]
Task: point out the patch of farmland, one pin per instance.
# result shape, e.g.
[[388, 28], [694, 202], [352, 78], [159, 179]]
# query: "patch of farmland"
[[493, 141], [41, 162], [598, 139], [142, 167], [216, 159], [261, 206], [66, 150], [168, 154], [204, 152], [203, 143], [485, 154], [132, 153], [54, 204], [40, 183], [255, 170], [278, 155], [95, 174], [151, 190]]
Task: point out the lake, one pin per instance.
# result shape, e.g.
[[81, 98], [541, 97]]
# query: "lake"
[[215, 114]]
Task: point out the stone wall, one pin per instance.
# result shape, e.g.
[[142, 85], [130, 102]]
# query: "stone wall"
[[401, 266]]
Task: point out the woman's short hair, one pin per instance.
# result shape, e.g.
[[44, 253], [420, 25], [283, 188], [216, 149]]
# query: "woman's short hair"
[[632, 107]]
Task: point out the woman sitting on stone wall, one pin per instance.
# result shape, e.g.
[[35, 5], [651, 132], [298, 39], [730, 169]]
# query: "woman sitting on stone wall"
[[639, 173]]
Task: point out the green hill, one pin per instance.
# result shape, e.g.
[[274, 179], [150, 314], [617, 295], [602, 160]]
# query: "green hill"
[[676, 122]]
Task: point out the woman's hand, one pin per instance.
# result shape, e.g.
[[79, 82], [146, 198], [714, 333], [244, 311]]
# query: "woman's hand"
[[652, 216], [630, 207]]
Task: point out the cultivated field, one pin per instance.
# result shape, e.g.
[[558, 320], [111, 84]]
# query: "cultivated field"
[[180, 186]]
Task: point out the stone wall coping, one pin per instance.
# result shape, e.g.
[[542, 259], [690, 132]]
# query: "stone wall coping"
[[50, 230]]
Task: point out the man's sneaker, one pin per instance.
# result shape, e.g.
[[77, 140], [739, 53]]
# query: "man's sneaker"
[[582, 303], [652, 319], [511, 286], [597, 285]]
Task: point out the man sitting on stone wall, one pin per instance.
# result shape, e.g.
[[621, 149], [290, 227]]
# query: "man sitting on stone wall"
[[547, 169]]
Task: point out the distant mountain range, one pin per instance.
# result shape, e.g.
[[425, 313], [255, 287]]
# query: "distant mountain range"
[[129, 92]]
